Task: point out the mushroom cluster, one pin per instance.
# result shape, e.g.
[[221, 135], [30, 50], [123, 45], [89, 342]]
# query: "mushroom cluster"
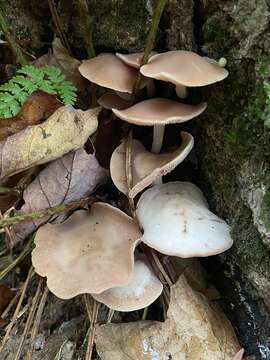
[[95, 251]]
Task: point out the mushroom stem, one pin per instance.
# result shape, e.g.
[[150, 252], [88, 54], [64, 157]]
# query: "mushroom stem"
[[158, 138], [181, 91]]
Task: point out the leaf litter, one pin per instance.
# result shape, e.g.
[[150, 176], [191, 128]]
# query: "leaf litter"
[[60, 183], [65, 130]]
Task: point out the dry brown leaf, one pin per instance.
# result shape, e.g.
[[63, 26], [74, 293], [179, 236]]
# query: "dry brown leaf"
[[68, 65], [194, 330], [37, 107], [239, 355], [5, 297], [67, 179], [66, 130]]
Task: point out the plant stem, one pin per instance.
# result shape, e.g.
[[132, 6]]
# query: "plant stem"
[[17, 310], [45, 212], [150, 41], [58, 26], [92, 330], [86, 26], [27, 249], [12, 43]]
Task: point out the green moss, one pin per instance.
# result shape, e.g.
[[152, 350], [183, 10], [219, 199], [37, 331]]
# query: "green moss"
[[217, 35], [121, 24]]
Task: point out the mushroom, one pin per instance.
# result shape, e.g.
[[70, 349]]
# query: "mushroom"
[[108, 71], [134, 60], [159, 112], [184, 68], [147, 168], [112, 100], [88, 253], [176, 221], [143, 289]]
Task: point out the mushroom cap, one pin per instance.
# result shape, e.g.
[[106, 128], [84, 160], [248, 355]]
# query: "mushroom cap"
[[184, 68], [143, 289], [146, 166], [133, 60], [159, 111], [88, 253], [108, 71], [176, 221], [112, 100]]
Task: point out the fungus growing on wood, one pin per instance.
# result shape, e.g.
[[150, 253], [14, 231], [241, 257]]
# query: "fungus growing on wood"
[[111, 101], [176, 221], [159, 112], [88, 253], [146, 166], [134, 60], [110, 72], [142, 290], [184, 68]]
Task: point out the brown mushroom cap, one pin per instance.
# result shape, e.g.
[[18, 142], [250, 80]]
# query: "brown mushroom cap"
[[108, 71], [133, 60], [143, 289], [88, 253], [183, 68], [159, 111], [146, 166], [112, 100]]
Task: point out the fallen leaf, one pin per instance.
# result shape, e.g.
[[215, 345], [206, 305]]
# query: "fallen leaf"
[[239, 355], [106, 140], [194, 330], [5, 297], [60, 58], [37, 108], [66, 130], [67, 179]]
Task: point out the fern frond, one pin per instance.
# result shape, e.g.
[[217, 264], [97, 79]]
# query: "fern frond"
[[29, 79]]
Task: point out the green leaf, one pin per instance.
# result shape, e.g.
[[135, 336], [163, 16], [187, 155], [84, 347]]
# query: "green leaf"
[[29, 79]]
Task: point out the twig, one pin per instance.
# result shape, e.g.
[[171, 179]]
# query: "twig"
[[150, 41], [93, 324], [110, 316], [161, 268], [129, 178], [29, 318], [10, 305], [17, 310], [37, 322], [87, 302], [86, 26], [58, 26], [55, 210], [10, 38], [23, 254]]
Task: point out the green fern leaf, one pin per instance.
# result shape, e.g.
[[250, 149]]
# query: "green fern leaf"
[[28, 79]]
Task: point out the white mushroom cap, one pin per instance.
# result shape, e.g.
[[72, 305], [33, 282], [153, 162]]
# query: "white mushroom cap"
[[176, 221], [146, 166], [89, 252], [143, 289], [159, 111], [133, 60], [108, 71], [183, 68]]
